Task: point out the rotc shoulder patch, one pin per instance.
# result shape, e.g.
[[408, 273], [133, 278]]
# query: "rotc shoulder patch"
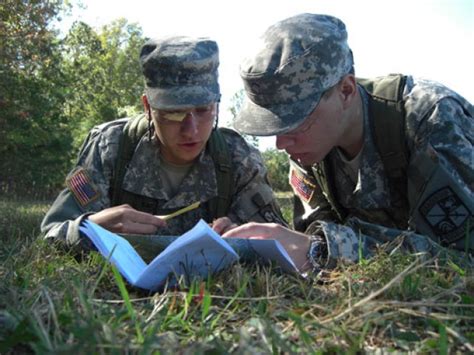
[[82, 187], [302, 186], [446, 214]]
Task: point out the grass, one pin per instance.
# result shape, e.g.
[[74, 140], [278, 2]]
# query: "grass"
[[51, 302]]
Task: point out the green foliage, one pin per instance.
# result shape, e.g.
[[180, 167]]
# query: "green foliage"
[[278, 167], [54, 302], [54, 90], [104, 71], [285, 201], [31, 95], [237, 101]]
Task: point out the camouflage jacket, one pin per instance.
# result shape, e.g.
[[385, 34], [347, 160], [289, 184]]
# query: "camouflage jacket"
[[253, 199], [435, 209]]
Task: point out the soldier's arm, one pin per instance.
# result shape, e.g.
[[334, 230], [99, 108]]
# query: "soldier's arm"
[[441, 175], [253, 198], [357, 239], [86, 193]]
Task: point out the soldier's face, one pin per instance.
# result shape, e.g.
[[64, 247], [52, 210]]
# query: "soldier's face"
[[310, 142], [183, 134], [336, 121]]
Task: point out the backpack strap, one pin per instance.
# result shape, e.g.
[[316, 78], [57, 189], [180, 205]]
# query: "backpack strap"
[[388, 121], [133, 131], [325, 178], [387, 112], [219, 151]]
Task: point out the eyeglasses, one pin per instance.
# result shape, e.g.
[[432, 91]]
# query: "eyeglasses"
[[175, 117], [303, 127], [309, 121]]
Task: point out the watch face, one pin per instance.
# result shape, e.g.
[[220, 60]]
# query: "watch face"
[[317, 252]]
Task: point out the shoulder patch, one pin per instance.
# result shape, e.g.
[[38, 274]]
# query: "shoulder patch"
[[302, 186], [81, 186], [446, 214]]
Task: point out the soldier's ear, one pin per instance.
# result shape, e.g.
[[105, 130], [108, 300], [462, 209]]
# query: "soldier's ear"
[[348, 89]]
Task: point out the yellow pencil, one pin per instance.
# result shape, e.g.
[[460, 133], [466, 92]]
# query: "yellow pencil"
[[181, 211]]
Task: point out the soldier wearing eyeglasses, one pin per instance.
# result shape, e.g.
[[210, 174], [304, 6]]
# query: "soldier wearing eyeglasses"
[[171, 165], [373, 161]]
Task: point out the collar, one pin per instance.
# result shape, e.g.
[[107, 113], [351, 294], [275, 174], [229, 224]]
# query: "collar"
[[143, 178]]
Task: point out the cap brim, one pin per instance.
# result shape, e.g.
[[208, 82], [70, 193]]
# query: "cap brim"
[[275, 120], [181, 96]]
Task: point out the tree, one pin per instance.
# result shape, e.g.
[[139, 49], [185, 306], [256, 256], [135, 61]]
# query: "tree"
[[31, 94], [276, 161], [53, 91], [237, 101], [104, 70]]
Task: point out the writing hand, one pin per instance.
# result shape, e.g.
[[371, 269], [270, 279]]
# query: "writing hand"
[[125, 219]]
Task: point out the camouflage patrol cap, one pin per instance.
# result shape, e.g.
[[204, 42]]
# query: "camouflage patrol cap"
[[300, 58], [180, 72]]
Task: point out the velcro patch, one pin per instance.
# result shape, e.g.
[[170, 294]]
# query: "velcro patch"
[[302, 186], [82, 187], [446, 214]]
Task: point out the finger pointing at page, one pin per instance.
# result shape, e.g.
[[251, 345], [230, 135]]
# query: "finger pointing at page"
[[296, 244]]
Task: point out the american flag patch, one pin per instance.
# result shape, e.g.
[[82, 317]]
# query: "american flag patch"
[[301, 185], [82, 188]]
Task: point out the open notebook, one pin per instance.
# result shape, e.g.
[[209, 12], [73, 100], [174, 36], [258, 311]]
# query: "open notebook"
[[198, 253]]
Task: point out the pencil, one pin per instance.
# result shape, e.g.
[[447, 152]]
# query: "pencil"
[[181, 211]]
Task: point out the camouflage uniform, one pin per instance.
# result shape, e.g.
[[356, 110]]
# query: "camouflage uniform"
[[439, 137], [98, 158], [302, 57], [179, 72]]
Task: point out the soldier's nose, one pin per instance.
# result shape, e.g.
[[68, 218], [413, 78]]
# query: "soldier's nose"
[[283, 142], [190, 123]]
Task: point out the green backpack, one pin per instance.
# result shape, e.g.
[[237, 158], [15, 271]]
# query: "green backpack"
[[138, 126], [386, 103]]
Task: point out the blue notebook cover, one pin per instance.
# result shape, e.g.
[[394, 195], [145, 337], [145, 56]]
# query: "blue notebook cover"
[[198, 253]]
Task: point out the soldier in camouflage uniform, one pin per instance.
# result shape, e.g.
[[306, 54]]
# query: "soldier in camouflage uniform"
[[356, 186], [171, 167]]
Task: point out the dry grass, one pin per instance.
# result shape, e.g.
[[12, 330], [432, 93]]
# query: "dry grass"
[[52, 302]]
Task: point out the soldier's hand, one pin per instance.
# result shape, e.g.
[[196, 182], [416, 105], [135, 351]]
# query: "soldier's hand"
[[296, 244], [223, 224], [125, 219]]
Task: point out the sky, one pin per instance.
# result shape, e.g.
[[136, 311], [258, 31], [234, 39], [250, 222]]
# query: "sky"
[[425, 38]]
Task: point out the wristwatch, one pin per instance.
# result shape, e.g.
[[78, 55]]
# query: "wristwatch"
[[317, 253]]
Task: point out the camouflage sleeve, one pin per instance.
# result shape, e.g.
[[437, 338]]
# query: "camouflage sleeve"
[[441, 175], [358, 239], [61, 223], [253, 198], [86, 191]]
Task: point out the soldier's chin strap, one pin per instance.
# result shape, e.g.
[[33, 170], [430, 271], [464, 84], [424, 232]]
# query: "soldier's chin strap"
[[216, 122], [147, 107], [150, 126]]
